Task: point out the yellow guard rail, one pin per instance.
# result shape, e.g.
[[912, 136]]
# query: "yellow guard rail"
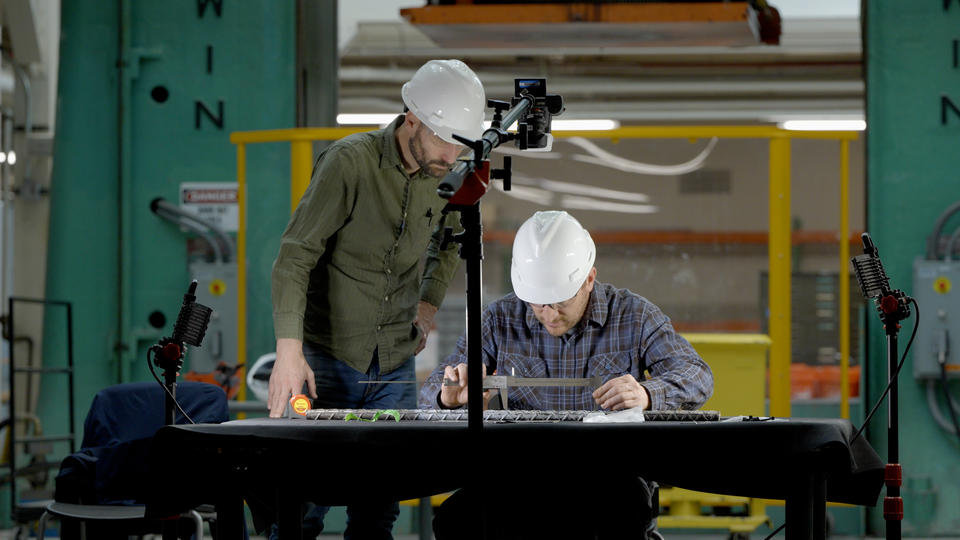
[[301, 165]]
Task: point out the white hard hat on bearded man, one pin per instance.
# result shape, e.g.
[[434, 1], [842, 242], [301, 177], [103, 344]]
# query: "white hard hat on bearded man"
[[448, 98]]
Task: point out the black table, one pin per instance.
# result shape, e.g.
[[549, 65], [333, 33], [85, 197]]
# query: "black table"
[[275, 464]]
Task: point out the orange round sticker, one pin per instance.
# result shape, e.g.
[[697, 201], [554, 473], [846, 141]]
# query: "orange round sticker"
[[218, 287], [942, 285], [300, 404]]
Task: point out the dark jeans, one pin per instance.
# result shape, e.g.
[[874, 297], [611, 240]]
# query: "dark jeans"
[[603, 509], [337, 388]]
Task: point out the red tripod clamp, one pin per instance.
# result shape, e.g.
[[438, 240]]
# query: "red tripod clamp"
[[893, 478], [474, 186]]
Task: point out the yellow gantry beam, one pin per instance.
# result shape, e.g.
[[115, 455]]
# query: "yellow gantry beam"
[[844, 276], [242, 267], [779, 245], [778, 282]]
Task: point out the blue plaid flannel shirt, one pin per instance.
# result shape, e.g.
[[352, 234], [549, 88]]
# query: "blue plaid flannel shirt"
[[621, 332]]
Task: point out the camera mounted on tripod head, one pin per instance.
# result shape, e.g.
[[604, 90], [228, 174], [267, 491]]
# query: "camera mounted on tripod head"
[[534, 127]]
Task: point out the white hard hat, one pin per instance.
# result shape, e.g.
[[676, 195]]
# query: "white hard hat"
[[552, 256], [448, 98], [258, 376]]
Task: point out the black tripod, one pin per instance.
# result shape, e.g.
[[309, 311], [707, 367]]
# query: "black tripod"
[[463, 186]]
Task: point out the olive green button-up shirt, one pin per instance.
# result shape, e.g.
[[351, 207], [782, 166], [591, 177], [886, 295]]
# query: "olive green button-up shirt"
[[347, 276]]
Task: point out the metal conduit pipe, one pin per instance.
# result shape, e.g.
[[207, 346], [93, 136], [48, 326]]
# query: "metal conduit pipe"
[[933, 241], [207, 237], [24, 79], [935, 407], [226, 242], [164, 209], [954, 239]]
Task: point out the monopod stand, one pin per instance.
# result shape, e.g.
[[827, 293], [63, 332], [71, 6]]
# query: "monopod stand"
[[464, 185], [471, 251], [893, 473], [467, 202]]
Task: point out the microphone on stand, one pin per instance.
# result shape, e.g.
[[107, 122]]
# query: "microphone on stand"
[[875, 285], [894, 306], [189, 329]]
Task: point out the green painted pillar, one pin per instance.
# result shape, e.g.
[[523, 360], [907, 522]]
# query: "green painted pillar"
[[913, 158], [149, 93]]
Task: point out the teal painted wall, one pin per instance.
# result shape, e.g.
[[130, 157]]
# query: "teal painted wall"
[[238, 53], [913, 155]]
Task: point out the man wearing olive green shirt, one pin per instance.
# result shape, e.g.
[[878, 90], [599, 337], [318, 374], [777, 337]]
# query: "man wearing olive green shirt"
[[349, 300]]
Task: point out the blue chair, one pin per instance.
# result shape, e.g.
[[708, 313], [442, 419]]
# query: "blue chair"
[[99, 489]]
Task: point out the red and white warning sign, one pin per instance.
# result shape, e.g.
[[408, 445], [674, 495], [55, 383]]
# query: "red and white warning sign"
[[214, 202]]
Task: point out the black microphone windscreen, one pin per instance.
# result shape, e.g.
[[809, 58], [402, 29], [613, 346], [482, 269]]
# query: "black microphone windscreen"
[[870, 275], [191, 323]]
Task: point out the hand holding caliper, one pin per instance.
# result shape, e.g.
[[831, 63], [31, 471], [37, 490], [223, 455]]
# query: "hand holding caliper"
[[453, 393], [454, 389]]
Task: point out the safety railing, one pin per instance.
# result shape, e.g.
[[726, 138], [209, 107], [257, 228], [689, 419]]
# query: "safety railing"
[[779, 236]]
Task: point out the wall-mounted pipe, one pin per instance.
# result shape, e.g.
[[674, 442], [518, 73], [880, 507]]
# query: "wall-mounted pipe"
[[204, 228], [125, 348]]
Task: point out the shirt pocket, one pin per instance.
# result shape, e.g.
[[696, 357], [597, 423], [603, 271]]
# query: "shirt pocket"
[[421, 219], [610, 366], [523, 397]]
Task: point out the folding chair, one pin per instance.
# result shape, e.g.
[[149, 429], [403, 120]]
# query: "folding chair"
[[99, 490]]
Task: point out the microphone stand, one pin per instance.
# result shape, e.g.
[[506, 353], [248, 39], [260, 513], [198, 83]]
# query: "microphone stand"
[[893, 473], [169, 358], [168, 355], [893, 306]]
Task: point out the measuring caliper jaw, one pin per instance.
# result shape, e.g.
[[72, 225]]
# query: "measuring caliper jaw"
[[503, 382]]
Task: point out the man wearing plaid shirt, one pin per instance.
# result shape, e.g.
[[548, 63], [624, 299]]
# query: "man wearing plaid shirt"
[[561, 322]]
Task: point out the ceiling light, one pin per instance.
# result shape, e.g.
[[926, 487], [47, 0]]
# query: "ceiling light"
[[600, 124], [365, 119], [556, 125], [584, 125], [823, 125]]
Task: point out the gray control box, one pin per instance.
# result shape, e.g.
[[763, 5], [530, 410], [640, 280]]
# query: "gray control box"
[[936, 288], [216, 289]]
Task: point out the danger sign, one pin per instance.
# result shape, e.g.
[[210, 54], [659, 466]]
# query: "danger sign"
[[214, 202]]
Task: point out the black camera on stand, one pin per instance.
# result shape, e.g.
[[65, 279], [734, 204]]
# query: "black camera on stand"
[[533, 130]]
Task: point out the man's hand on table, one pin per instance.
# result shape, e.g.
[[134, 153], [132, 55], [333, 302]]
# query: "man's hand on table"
[[290, 371], [623, 392]]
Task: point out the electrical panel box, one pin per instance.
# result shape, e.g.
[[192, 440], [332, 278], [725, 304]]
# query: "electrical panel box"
[[935, 288], [216, 289]]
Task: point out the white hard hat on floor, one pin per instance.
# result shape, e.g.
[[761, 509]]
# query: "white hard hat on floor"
[[552, 256], [448, 98]]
